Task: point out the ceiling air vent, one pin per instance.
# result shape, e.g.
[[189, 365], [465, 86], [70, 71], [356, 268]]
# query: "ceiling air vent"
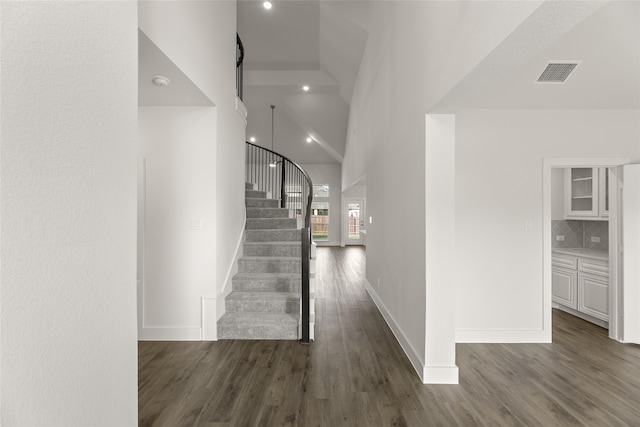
[[557, 71]]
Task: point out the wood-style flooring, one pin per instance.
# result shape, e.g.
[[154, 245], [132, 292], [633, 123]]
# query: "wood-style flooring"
[[356, 374]]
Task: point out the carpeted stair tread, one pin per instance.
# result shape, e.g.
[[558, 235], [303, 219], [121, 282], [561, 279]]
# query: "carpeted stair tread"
[[255, 194], [245, 296], [271, 223], [257, 212], [261, 202], [273, 249], [277, 326], [266, 282], [273, 235], [263, 302]]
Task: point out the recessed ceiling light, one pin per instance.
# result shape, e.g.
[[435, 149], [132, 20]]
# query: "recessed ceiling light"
[[309, 139], [252, 139], [267, 5], [161, 81], [305, 88]]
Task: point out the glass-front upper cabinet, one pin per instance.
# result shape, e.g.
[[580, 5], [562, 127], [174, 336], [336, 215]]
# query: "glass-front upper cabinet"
[[587, 193], [581, 192], [603, 197]]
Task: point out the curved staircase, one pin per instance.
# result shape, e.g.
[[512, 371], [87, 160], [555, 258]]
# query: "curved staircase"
[[265, 299]]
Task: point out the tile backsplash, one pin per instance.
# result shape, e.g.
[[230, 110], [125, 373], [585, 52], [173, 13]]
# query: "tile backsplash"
[[578, 234]]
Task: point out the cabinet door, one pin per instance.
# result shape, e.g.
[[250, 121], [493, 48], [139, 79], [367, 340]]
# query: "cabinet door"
[[593, 295], [581, 192], [603, 196], [564, 287]]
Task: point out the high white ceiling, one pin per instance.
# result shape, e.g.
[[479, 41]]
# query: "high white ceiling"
[[296, 43], [320, 43], [605, 42]]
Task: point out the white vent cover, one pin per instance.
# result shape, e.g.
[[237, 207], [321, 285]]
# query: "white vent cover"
[[557, 71]]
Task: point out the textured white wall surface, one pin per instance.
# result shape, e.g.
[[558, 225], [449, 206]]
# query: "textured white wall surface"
[[199, 37], [416, 52], [499, 155], [68, 213], [179, 261]]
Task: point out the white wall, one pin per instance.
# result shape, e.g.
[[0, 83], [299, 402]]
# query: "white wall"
[[68, 214], [179, 261], [498, 187], [416, 52], [329, 175], [200, 37]]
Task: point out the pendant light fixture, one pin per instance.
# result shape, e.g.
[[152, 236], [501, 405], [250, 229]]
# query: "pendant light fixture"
[[273, 164]]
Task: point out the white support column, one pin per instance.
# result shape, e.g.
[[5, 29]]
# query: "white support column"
[[440, 347]]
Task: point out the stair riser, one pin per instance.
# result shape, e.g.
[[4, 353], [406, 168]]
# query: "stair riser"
[[271, 223], [267, 213], [293, 250], [249, 186], [269, 266], [264, 285], [238, 306], [229, 332], [272, 235], [255, 194], [262, 203]]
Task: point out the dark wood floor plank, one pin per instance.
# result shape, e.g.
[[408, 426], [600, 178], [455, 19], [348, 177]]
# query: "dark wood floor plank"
[[356, 374]]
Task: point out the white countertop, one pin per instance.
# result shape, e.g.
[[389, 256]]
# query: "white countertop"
[[584, 253]]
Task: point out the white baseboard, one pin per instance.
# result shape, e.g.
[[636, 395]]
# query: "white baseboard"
[[427, 374], [170, 334], [515, 336], [440, 375]]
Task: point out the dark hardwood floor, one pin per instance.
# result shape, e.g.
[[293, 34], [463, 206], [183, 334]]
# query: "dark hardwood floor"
[[356, 374]]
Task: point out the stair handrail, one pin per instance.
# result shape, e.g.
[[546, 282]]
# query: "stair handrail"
[[273, 172], [239, 67]]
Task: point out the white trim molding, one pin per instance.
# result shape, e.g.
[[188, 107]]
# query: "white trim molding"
[[501, 336], [169, 334], [427, 374]]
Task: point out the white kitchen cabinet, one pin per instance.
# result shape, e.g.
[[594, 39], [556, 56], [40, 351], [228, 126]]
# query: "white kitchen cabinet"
[[593, 295], [603, 192], [581, 283], [565, 289], [586, 193]]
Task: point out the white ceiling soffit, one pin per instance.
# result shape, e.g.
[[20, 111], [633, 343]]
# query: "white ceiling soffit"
[[152, 62], [604, 36]]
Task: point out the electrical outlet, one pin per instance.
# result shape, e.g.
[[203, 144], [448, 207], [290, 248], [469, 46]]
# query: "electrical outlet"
[[595, 239], [559, 238]]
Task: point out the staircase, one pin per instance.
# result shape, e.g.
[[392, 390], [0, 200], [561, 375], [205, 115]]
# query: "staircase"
[[264, 302]]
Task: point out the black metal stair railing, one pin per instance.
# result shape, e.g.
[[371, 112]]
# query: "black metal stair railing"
[[239, 67], [287, 182]]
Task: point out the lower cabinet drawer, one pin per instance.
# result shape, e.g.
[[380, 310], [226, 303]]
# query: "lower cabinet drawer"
[[593, 266]]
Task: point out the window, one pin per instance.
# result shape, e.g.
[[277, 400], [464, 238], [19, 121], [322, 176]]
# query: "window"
[[320, 220], [320, 191]]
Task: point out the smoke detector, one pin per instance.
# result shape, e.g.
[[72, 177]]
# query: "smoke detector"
[[557, 71]]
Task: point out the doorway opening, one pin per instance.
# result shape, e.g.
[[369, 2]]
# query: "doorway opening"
[[586, 286], [354, 222]]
